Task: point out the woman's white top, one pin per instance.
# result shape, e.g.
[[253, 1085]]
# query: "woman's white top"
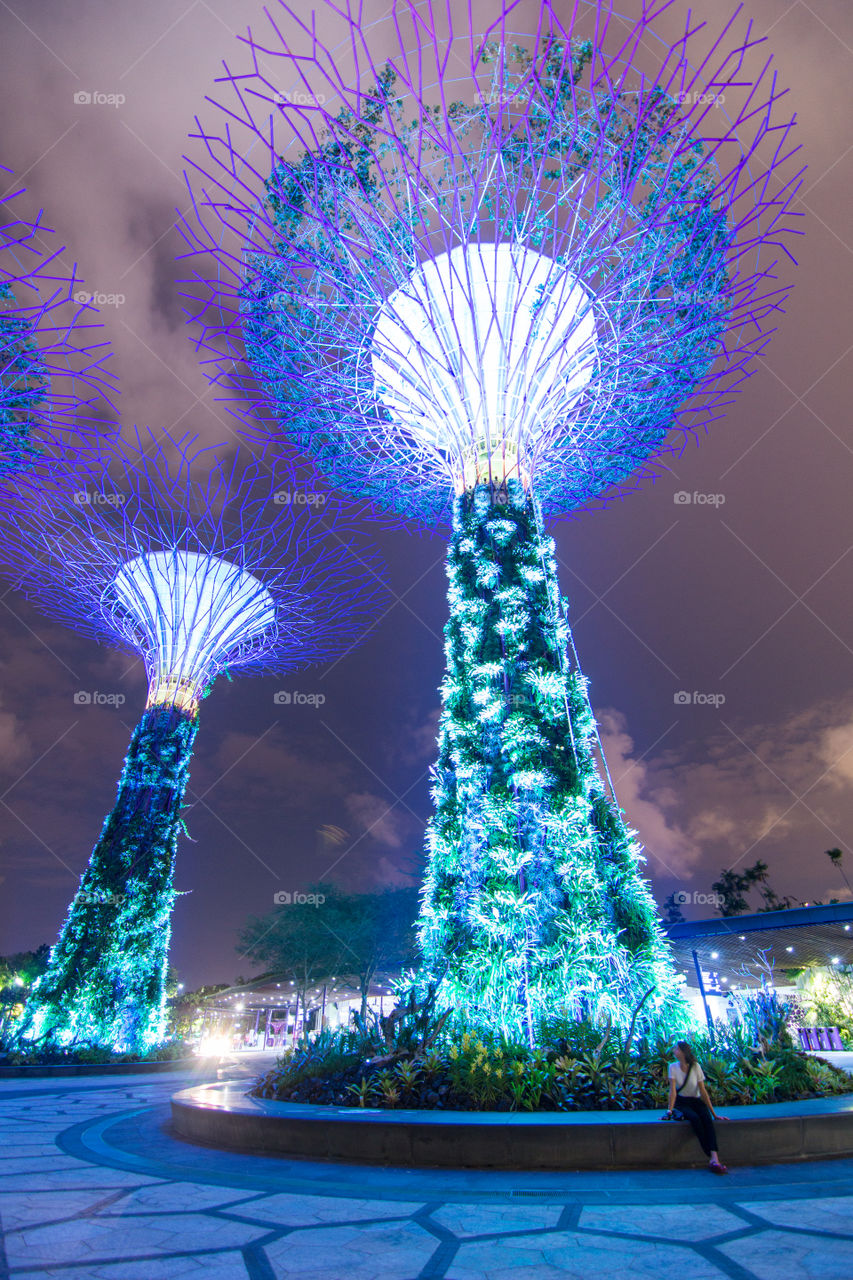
[[677, 1074]]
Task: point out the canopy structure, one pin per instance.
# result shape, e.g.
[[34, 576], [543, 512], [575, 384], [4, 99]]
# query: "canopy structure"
[[802, 937], [478, 351], [485, 273], [57, 391], [198, 561], [196, 613], [564, 241]]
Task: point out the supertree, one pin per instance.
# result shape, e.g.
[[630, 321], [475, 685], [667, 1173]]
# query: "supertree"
[[201, 562], [488, 279], [56, 390]]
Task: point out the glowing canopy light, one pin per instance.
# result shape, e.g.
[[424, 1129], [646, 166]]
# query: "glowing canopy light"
[[464, 248], [197, 559], [575, 225], [480, 348], [194, 612]]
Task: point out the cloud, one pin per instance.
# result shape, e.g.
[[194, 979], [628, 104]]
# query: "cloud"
[[835, 748], [649, 801], [376, 817], [419, 736], [241, 768], [388, 875], [15, 745], [780, 791]]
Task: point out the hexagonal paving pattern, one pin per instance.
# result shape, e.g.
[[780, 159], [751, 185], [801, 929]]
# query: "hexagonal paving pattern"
[[144, 1206]]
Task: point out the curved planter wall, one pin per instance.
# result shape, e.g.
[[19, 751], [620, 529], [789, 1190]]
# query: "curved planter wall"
[[221, 1115]]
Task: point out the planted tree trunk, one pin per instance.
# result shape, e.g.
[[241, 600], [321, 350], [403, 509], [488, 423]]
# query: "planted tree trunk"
[[534, 899], [105, 981]]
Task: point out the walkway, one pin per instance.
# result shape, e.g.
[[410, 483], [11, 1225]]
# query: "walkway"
[[92, 1187]]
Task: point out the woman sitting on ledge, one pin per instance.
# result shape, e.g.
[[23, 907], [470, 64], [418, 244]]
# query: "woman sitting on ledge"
[[688, 1100]]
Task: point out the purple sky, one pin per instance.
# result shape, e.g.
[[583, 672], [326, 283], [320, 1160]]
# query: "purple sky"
[[747, 597]]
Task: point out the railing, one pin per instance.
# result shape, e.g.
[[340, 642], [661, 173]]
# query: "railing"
[[817, 1038]]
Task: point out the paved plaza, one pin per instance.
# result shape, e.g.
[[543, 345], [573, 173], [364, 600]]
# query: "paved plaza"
[[93, 1187]]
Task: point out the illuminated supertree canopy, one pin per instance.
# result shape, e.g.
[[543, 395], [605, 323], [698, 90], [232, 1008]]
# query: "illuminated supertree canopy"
[[56, 389], [488, 277], [201, 563]]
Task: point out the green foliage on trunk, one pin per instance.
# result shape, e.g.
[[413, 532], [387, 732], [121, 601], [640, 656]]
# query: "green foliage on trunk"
[[534, 897], [23, 386], [105, 982]]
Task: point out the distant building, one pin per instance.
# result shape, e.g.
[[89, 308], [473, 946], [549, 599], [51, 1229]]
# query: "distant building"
[[728, 954]]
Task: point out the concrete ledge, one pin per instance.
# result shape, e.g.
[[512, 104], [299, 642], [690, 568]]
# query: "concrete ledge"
[[23, 1072], [222, 1115]]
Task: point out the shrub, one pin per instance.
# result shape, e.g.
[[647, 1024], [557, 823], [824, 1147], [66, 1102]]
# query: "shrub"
[[52, 1055], [416, 1061]]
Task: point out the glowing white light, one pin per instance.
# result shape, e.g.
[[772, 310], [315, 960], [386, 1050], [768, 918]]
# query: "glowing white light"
[[481, 350], [195, 613], [213, 1046], [715, 955]]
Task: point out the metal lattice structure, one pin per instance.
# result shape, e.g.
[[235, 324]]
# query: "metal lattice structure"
[[605, 230], [56, 389], [198, 559], [490, 274]]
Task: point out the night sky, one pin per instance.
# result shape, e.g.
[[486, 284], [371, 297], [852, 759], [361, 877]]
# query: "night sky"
[[747, 597]]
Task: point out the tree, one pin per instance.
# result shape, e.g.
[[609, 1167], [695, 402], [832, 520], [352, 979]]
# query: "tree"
[[733, 887], [302, 940], [835, 856], [379, 931], [105, 983], [182, 1010], [534, 897], [18, 972], [26, 965], [672, 910], [356, 935], [772, 901]]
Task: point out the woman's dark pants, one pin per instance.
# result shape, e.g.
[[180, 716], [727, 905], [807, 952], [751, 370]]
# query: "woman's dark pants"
[[697, 1112]]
